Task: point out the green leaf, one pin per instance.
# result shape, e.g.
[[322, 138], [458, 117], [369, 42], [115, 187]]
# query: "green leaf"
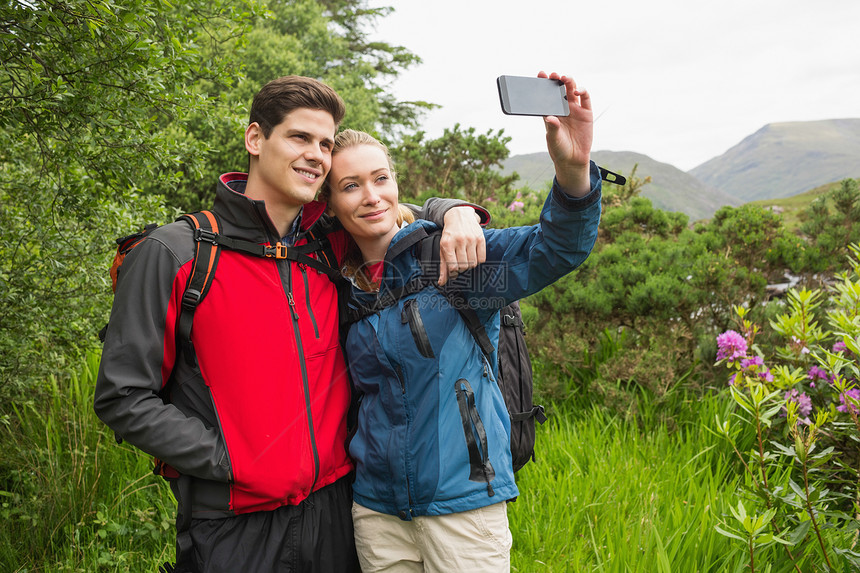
[[797, 534], [728, 533], [741, 512], [797, 489], [788, 451]]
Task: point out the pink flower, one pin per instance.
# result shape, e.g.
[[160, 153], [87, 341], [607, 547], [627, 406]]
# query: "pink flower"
[[516, 207], [854, 394], [731, 345], [839, 347], [816, 373], [755, 366], [804, 403]]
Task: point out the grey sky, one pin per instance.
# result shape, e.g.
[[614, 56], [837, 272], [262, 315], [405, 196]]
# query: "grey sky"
[[679, 81]]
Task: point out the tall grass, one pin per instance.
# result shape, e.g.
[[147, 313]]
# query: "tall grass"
[[608, 492], [71, 498], [606, 495]]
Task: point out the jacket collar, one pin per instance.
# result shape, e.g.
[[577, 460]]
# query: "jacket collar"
[[246, 218]]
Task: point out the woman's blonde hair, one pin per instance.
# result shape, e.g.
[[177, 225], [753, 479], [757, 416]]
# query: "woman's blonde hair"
[[353, 264]]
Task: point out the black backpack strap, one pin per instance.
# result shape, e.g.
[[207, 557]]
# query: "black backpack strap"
[[185, 563], [428, 255], [537, 412], [473, 322], [297, 253], [512, 320], [184, 544], [611, 177], [356, 310], [205, 225], [417, 236], [318, 235]]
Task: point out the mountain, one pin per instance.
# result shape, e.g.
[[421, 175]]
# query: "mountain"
[[779, 160], [670, 188], [783, 159]]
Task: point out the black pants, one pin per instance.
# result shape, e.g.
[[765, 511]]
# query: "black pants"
[[313, 537]]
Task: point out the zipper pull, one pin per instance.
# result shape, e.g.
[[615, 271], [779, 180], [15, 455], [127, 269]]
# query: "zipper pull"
[[292, 306]]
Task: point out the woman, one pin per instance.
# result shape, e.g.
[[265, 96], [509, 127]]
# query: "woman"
[[432, 451]]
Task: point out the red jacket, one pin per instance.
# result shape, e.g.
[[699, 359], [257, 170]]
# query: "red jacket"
[[262, 422]]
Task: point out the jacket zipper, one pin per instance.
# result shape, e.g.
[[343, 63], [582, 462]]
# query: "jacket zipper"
[[412, 316], [288, 288], [304, 272], [399, 372], [286, 282]]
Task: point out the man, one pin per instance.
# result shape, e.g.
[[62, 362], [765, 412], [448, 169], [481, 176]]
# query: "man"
[[254, 418]]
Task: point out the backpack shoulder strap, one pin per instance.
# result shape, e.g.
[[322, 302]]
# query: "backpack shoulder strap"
[[207, 251], [473, 323], [429, 252], [318, 243], [428, 255], [318, 235]]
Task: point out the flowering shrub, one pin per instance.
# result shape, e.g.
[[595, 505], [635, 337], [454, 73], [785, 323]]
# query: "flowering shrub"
[[801, 400], [731, 346]]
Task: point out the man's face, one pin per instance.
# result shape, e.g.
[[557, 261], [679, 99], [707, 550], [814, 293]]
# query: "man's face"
[[292, 163]]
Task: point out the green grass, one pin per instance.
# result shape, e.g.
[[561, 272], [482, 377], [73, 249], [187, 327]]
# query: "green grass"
[[606, 496], [71, 498], [607, 493]]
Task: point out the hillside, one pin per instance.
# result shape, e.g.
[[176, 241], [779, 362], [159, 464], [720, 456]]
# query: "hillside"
[[791, 208], [783, 159], [670, 188]]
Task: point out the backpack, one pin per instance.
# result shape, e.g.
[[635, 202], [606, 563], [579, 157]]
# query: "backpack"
[[515, 379], [208, 244]]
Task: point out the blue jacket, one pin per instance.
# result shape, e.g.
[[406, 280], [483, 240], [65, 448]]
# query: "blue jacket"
[[433, 432]]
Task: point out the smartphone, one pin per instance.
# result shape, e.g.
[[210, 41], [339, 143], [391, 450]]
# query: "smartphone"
[[532, 96]]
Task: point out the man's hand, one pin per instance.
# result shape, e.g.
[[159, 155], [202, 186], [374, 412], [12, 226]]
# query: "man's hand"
[[462, 246]]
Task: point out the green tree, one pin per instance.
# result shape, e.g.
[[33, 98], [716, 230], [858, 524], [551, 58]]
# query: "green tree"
[[831, 223], [654, 292], [459, 164], [322, 39], [83, 88]]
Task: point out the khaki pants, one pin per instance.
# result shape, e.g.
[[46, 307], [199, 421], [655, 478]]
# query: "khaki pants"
[[470, 541]]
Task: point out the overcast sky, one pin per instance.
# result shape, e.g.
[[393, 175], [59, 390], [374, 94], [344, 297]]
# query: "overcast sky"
[[678, 80]]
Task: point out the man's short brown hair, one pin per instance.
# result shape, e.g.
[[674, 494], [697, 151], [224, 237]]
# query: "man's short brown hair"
[[281, 96]]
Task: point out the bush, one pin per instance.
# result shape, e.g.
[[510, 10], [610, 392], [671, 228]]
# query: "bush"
[[800, 401]]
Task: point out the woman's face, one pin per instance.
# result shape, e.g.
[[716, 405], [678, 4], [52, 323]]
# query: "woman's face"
[[364, 193]]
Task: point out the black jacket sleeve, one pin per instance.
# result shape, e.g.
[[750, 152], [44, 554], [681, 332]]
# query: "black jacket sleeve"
[[434, 210], [138, 356]]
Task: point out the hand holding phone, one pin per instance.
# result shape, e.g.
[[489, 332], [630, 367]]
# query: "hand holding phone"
[[521, 95]]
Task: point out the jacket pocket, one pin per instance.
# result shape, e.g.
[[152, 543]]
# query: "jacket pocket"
[[410, 314], [480, 468]]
